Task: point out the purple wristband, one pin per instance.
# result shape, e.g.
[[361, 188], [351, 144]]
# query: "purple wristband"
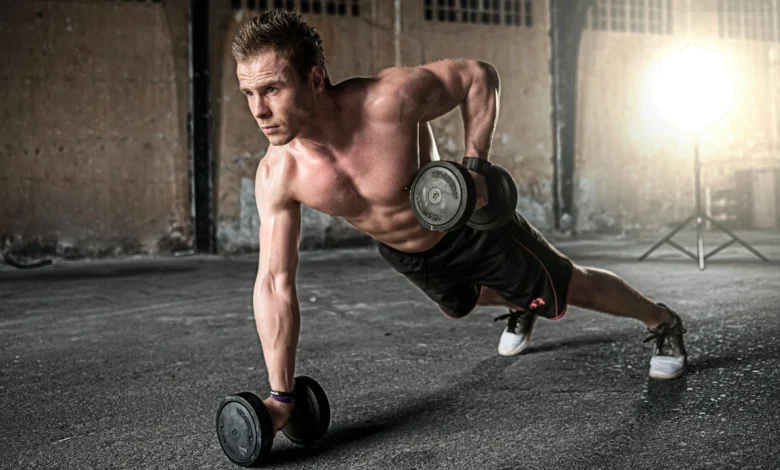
[[283, 399]]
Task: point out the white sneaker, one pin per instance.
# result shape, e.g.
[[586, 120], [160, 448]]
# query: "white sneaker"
[[517, 334], [669, 359]]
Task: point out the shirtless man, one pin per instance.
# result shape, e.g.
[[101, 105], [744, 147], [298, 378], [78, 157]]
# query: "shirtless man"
[[351, 150]]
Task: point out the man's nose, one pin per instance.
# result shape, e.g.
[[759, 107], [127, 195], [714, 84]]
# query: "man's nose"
[[261, 111]]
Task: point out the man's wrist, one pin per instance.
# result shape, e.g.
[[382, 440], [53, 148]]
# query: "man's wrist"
[[474, 151], [281, 403], [283, 397], [277, 405], [475, 164]]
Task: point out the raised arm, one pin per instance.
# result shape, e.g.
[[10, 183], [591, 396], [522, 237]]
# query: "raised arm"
[[435, 89], [275, 300]]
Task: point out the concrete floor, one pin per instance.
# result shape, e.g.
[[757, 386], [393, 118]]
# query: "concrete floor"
[[121, 364]]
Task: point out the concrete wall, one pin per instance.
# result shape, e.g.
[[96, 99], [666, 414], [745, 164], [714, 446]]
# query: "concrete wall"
[[363, 46], [634, 171], [93, 158], [94, 154]]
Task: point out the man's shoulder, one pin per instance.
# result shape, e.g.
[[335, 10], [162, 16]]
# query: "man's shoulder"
[[275, 172], [402, 74], [383, 95], [399, 80], [278, 162], [386, 82]]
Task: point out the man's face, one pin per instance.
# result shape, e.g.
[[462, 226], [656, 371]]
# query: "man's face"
[[278, 99]]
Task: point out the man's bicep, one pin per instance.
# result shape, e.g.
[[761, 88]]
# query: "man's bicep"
[[280, 233]]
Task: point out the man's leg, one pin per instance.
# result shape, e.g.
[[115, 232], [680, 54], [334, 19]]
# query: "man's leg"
[[603, 291], [529, 263], [600, 290]]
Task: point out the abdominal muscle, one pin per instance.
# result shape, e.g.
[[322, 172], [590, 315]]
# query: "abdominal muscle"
[[398, 228]]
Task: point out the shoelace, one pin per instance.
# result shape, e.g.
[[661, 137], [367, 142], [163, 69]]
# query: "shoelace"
[[513, 316], [661, 333]]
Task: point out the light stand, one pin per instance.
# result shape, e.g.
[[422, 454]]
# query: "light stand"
[[699, 216]]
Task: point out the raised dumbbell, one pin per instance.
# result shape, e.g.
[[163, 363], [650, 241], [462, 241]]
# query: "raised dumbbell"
[[245, 431], [443, 195]]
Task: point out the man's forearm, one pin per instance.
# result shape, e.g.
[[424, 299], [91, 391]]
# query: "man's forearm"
[[480, 110], [278, 321]]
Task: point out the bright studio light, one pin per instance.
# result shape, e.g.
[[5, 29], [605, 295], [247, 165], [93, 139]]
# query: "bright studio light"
[[693, 89]]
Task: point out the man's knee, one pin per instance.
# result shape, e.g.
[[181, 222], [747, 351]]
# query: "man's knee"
[[457, 313], [465, 304]]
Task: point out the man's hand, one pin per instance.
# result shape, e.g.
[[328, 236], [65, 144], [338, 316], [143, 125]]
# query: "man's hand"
[[480, 182], [280, 412]]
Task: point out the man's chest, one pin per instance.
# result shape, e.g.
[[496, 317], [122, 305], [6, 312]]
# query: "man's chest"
[[375, 170]]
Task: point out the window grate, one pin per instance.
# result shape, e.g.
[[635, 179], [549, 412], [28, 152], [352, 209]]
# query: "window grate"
[[632, 16], [490, 12], [754, 20], [317, 7]]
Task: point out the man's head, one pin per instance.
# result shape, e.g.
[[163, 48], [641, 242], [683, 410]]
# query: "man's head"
[[281, 70]]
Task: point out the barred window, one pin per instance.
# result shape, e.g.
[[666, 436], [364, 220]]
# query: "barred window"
[[142, 2], [634, 16], [754, 20], [131, 1], [317, 7], [617, 16], [493, 12], [655, 16], [601, 11]]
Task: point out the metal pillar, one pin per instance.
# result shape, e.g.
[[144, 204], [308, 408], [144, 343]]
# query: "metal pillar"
[[199, 128], [567, 20]]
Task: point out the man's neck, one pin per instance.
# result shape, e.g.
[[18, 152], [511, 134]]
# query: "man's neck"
[[326, 131]]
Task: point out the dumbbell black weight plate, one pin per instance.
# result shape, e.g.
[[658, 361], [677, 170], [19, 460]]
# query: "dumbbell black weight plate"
[[502, 201], [244, 429], [442, 196], [311, 417]]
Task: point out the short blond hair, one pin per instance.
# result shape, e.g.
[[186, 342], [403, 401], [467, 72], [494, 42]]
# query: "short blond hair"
[[286, 33]]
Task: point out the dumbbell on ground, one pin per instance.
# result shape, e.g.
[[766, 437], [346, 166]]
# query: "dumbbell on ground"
[[244, 427]]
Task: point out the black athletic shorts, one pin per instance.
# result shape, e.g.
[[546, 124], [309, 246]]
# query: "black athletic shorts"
[[515, 260]]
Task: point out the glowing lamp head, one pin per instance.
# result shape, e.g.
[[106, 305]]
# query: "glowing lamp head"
[[693, 89]]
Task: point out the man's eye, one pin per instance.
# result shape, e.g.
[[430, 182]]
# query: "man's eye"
[[270, 89], [248, 94]]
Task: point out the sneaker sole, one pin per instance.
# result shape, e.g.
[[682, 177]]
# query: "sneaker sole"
[[663, 376], [515, 351]]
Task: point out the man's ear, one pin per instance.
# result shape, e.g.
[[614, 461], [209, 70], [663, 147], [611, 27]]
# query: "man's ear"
[[317, 79]]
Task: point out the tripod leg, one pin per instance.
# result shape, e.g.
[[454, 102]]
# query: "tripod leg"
[[682, 249], [667, 237], [720, 248], [739, 240]]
